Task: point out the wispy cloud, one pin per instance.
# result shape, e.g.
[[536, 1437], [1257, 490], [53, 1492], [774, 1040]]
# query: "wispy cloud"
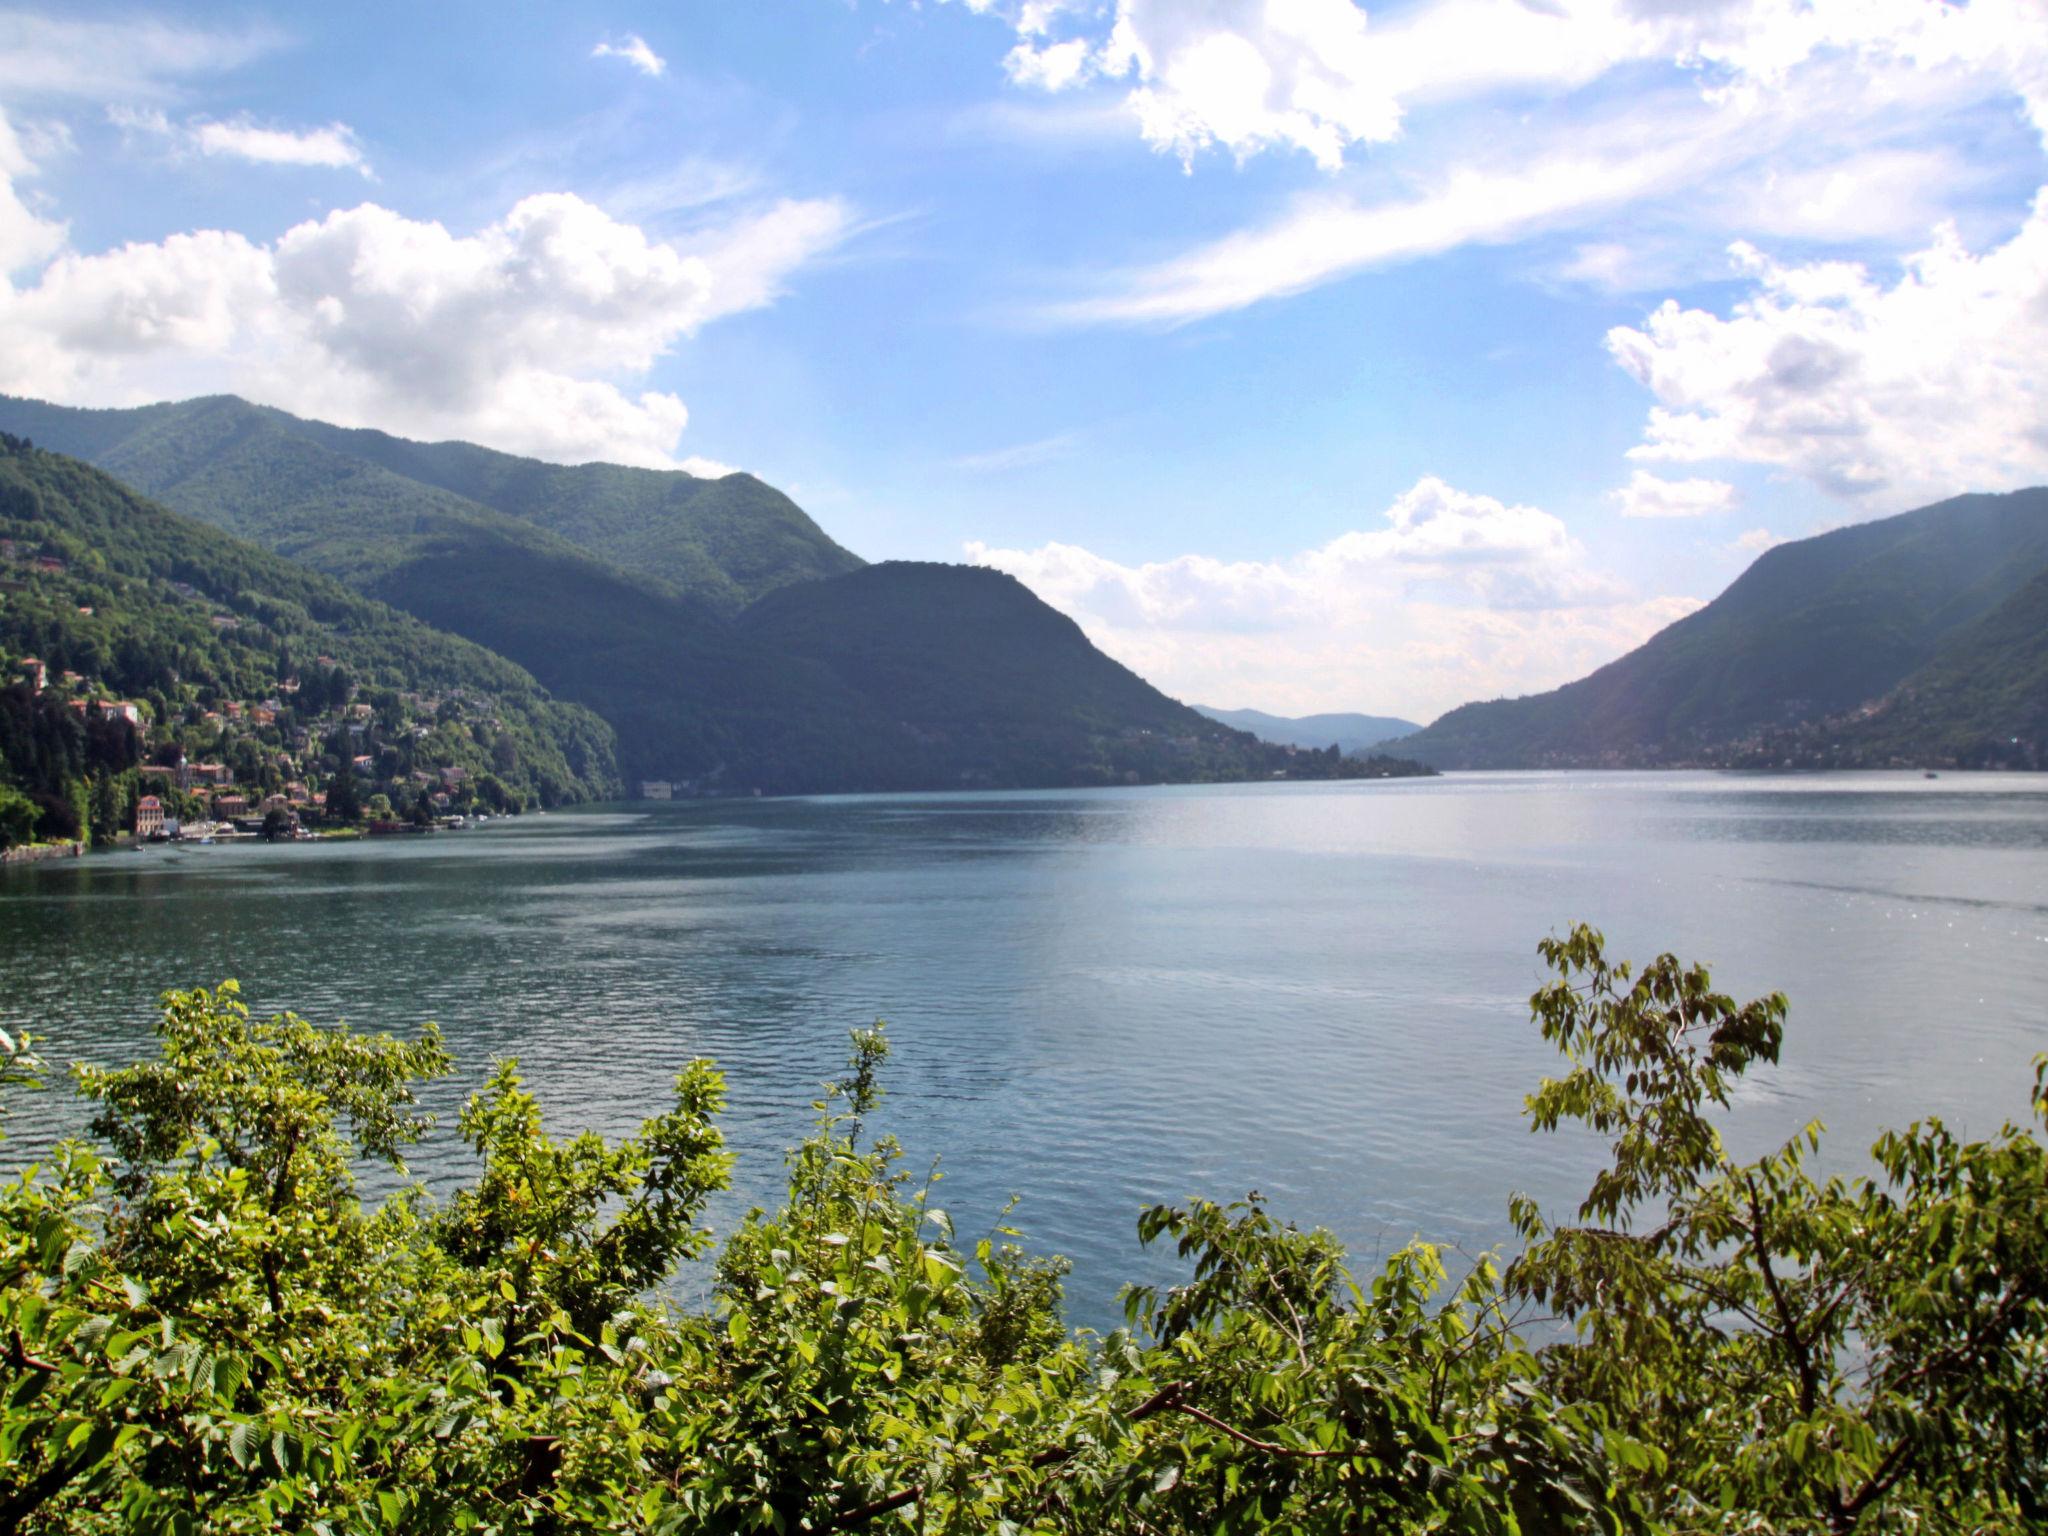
[[1019, 455], [1648, 495], [333, 146], [137, 58], [634, 51]]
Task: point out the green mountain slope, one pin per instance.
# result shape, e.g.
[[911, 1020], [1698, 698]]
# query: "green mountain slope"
[[1813, 630], [1983, 700], [724, 541], [1351, 732], [145, 604], [353, 501]]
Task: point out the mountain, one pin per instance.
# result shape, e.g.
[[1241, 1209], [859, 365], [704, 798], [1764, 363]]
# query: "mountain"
[[356, 503], [1351, 733], [193, 634], [1813, 631], [967, 677], [731, 645]]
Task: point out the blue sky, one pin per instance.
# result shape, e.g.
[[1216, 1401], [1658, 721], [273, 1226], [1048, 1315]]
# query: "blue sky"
[[1313, 355]]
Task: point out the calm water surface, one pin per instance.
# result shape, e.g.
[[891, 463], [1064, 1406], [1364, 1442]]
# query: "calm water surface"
[[1105, 999]]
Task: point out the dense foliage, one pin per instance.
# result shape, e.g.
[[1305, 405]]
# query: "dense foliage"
[[141, 604], [206, 1327], [1808, 637]]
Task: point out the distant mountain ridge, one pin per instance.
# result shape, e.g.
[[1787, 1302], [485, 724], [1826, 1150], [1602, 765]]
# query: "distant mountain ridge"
[[1905, 618], [1349, 732]]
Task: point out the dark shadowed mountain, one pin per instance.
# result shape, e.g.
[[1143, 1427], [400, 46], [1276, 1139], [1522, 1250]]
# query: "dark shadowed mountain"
[[1814, 631], [1351, 733]]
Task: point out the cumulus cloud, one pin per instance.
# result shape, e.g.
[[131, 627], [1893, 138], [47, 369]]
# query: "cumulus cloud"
[[332, 147], [1648, 495], [1898, 391], [634, 51], [1755, 541], [524, 334], [1321, 76], [1455, 596]]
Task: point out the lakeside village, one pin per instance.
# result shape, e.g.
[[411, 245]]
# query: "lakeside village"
[[320, 758]]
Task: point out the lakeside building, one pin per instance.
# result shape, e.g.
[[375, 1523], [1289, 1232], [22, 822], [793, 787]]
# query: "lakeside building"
[[149, 817]]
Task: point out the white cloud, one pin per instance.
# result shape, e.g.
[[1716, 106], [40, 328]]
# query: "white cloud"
[[524, 334], [1052, 68], [1457, 596], [1648, 495], [1320, 76], [1904, 391], [634, 51], [1328, 236], [1755, 541], [135, 57], [331, 147], [1827, 121], [26, 237]]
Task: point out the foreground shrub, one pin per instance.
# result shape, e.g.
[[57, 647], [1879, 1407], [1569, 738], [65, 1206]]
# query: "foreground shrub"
[[206, 1328]]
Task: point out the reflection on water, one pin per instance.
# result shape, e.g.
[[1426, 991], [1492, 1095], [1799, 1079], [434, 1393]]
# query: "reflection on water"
[[1103, 999]]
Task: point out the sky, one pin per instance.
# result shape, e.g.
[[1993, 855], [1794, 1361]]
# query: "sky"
[[1313, 355]]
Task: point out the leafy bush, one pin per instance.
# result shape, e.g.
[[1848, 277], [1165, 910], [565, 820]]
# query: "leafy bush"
[[206, 1328]]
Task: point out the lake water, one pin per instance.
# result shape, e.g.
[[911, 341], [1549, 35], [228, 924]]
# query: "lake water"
[[1102, 999]]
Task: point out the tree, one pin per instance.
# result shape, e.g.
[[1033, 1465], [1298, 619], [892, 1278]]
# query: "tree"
[[1820, 1355], [277, 824], [106, 817], [343, 803], [18, 814], [204, 1327]]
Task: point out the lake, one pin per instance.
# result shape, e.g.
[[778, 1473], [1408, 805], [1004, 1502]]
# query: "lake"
[[1103, 999]]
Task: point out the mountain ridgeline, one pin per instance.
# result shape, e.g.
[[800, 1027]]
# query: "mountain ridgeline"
[[730, 643], [1347, 732], [1918, 640]]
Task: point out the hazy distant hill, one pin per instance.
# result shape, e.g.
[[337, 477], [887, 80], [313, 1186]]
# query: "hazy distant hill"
[[1813, 630], [1351, 733], [1982, 702], [354, 502], [147, 602]]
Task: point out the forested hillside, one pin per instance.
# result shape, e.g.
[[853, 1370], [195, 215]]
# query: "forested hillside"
[[358, 503], [115, 609], [1814, 631]]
